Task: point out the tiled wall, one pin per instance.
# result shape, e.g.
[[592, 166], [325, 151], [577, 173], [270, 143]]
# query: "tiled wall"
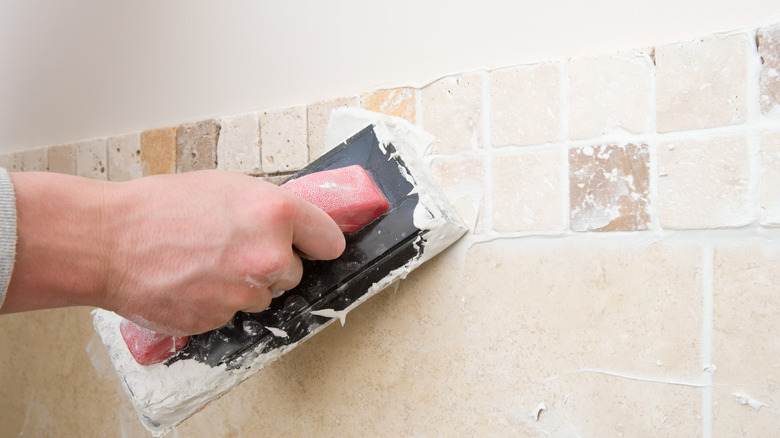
[[621, 277]]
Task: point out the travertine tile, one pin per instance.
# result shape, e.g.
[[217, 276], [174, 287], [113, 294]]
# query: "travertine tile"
[[463, 181], [525, 104], [609, 188], [158, 150], [34, 160], [62, 159], [92, 159], [529, 191], [452, 111], [746, 300], [196, 146], [706, 183], [770, 179], [11, 161], [608, 93], [239, 146], [703, 83], [124, 157], [769, 50], [317, 118], [398, 102], [284, 138]]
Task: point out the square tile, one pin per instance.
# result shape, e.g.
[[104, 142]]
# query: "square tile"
[[398, 102], [284, 136], [34, 160], [196, 146], [452, 110], [769, 49], [463, 181], [770, 179], [124, 157], [11, 161], [317, 119], [158, 150], [239, 146], [92, 159], [62, 159]]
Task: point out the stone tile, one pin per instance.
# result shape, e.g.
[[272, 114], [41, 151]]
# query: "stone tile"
[[238, 147], [317, 118], [398, 102], [124, 157], [609, 188], [284, 139], [277, 179], [770, 179], [703, 83], [609, 93], [463, 181], [62, 158], [11, 161], [34, 160], [452, 111], [525, 104], [92, 159], [529, 191], [745, 343], [196, 146], [706, 183], [769, 50], [158, 150]]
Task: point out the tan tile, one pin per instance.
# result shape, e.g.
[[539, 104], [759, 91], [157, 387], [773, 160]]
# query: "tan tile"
[[463, 181], [284, 137], [398, 102], [62, 159], [529, 191], [703, 83], [11, 161], [158, 150], [196, 145], [239, 146], [124, 157], [452, 111], [770, 179], [92, 159], [769, 50], [34, 160], [317, 118], [609, 93], [525, 104], [706, 183], [609, 188], [745, 347]]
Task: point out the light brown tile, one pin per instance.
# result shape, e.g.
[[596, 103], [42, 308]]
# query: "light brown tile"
[[158, 150], [92, 159], [239, 144], [11, 161], [124, 157], [463, 181], [769, 82], [609, 188], [398, 102], [284, 137], [196, 145], [62, 159], [770, 179], [34, 160], [452, 111], [317, 118]]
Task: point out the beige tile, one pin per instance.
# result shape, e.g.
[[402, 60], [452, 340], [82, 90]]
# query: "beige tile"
[[745, 342], [239, 146], [452, 111], [11, 161], [770, 179], [34, 160], [398, 102], [769, 50], [124, 157], [609, 93], [196, 145], [529, 191], [463, 181], [284, 139], [609, 188], [62, 159], [703, 83], [317, 118], [158, 150], [525, 104], [92, 159], [706, 183]]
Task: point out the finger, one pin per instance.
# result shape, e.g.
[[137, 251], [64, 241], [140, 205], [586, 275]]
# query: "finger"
[[290, 277], [315, 235], [262, 302]]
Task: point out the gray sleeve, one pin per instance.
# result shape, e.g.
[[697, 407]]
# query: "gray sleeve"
[[7, 232]]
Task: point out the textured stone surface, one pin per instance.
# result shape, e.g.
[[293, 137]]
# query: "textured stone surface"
[[398, 102], [158, 150], [769, 50], [196, 146], [284, 138], [317, 118], [11, 161], [609, 188], [703, 83], [529, 191], [770, 179], [706, 183], [610, 93], [239, 146], [34, 160], [463, 181], [124, 157], [62, 159], [92, 159], [452, 110]]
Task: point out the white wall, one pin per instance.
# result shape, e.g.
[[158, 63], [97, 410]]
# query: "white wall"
[[89, 68]]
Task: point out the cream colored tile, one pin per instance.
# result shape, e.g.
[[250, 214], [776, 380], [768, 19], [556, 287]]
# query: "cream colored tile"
[[463, 181], [196, 145], [317, 118], [609, 93], [62, 159], [770, 179], [525, 104], [529, 191], [11, 161], [284, 138], [769, 49], [703, 83], [398, 102], [92, 159], [239, 146], [706, 183], [124, 157], [452, 111], [34, 160]]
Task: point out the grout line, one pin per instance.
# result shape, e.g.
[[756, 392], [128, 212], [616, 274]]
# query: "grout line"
[[487, 218], [707, 339], [565, 134]]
